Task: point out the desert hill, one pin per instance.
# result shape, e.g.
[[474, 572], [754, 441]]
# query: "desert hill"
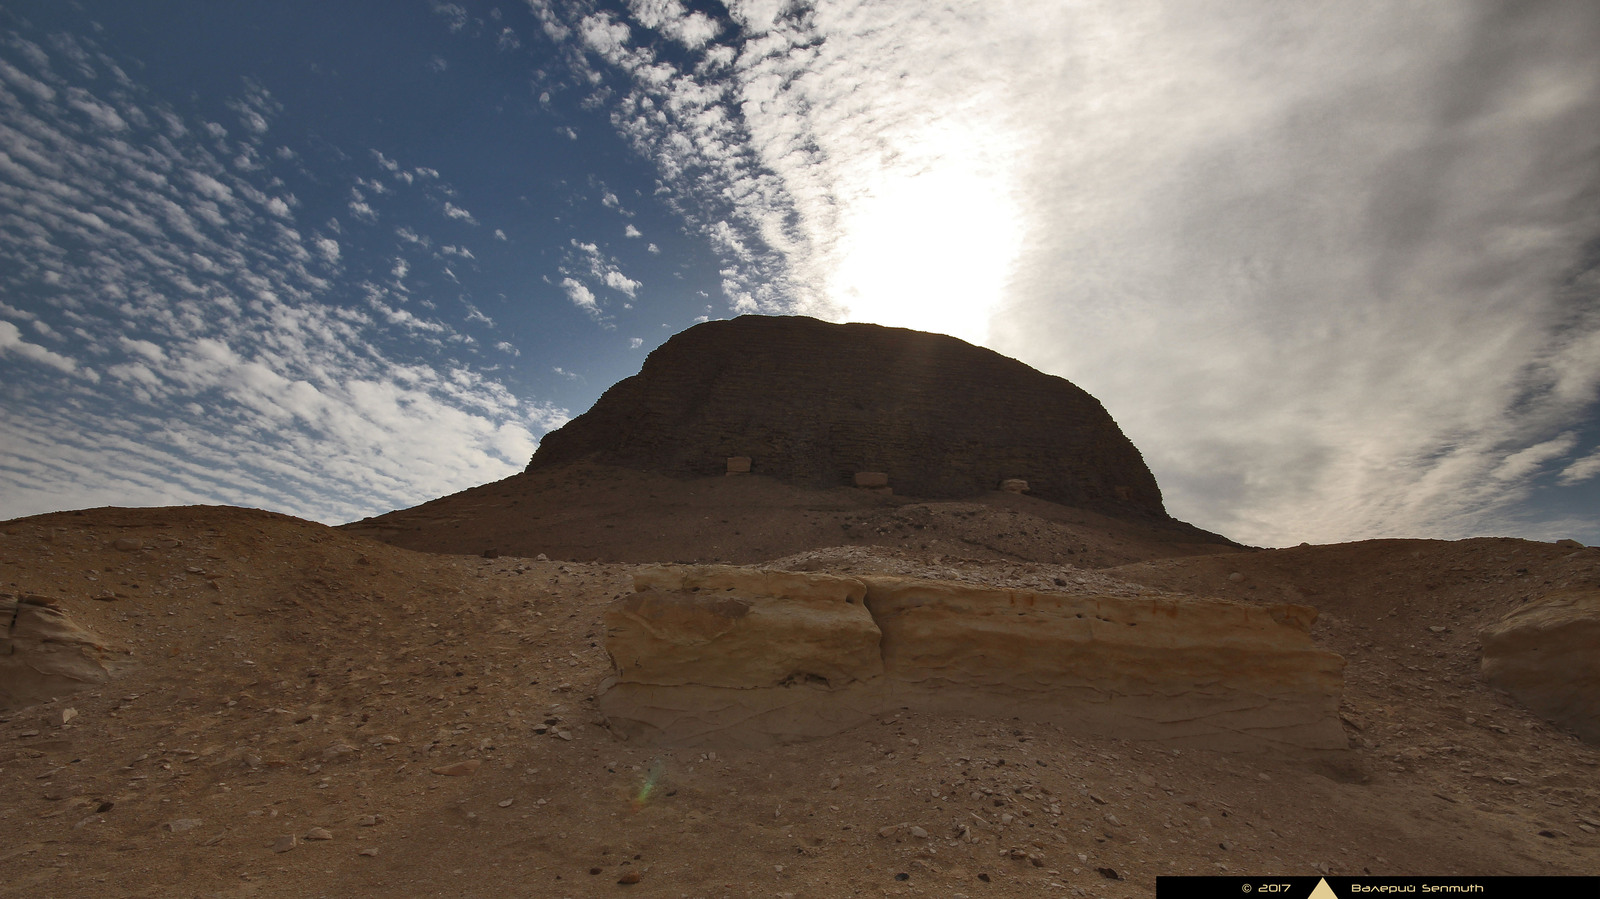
[[602, 513], [283, 679]]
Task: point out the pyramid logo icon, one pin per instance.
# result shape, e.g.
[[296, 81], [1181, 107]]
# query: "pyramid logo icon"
[[1323, 891]]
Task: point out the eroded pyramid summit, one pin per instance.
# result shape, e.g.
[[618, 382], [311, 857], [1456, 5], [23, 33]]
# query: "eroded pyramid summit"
[[813, 403]]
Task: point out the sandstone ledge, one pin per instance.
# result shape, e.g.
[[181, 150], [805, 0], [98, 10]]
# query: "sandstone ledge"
[[752, 656], [1544, 655]]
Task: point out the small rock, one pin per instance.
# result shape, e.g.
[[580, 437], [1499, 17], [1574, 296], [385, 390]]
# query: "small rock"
[[385, 740], [462, 768], [182, 825], [369, 820], [1236, 578], [630, 877], [369, 851], [318, 833], [1108, 873], [285, 843], [60, 717], [919, 833], [506, 803], [337, 750], [887, 832], [127, 544], [1437, 628], [541, 558]]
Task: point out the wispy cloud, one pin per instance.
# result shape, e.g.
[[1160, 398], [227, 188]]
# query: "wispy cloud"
[[221, 350]]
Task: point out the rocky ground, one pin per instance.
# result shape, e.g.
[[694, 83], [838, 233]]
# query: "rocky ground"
[[304, 711]]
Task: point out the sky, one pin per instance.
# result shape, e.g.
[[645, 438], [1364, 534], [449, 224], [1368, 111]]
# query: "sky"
[[1334, 267]]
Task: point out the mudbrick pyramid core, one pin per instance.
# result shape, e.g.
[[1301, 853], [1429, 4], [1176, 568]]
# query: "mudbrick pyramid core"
[[815, 404]]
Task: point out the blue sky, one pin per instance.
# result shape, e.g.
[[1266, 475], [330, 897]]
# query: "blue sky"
[[1335, 268]]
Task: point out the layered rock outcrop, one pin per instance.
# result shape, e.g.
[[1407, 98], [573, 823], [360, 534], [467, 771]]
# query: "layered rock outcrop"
[[1544, 655], [814, 403], [44, 655], [714, 653]]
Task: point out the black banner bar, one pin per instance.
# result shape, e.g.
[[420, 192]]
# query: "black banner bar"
[[1447, 887]]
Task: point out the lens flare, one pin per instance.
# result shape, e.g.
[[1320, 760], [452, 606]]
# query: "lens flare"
[[652, 780]]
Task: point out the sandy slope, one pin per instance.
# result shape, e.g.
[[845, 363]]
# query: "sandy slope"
[[288, 676]]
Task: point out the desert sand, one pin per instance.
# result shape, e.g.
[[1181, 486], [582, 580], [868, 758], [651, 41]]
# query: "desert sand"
[[298, 710]]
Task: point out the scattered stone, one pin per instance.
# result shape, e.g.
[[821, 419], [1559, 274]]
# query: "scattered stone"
[[127, 544], [182, 825], [318, 833], [1014, 485], [1236, 577], [370, 852], [285, 843], [1108, 873], [629, 877], [464, 768], [506, 803], [369, 820], [738, 465], [337, 750], [60, 717], [918, 832]]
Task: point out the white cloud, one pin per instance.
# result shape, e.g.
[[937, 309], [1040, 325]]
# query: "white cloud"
[[12, 344], [453, 211], [581, 296], [621, 283], [1581, 470], [604, 269], [670, 17], [635, 342], [631, 231], [329, 248]]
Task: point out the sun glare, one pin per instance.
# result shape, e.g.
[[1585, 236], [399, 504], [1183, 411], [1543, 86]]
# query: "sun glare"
[[930, 250]]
